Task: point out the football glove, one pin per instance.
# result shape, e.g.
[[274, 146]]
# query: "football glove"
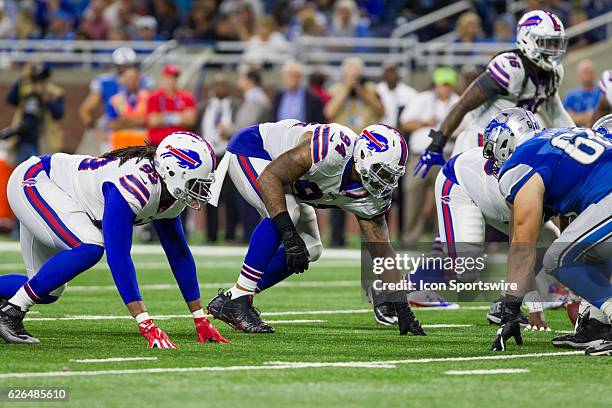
[[407, 321], [505, 332], [295, 248], [155, 336], [433, 155], [206, 331]]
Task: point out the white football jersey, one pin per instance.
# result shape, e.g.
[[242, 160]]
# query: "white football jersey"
[[605, 85], [508, 71], [470, 169], [326, 185], [83, 177]]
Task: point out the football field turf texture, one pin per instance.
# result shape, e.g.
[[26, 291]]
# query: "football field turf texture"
[[327, 349]]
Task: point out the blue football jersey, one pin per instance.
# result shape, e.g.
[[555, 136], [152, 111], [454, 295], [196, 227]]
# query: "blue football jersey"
[[575, 166]]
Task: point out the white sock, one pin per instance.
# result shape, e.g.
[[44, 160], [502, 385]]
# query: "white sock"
[[22, 300], [237, 292], [606, 308], [248, 279]]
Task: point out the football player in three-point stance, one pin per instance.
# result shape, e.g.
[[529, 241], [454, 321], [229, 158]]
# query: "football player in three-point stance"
[[73, 207], [528, 77], [284, 169], [566, 172]]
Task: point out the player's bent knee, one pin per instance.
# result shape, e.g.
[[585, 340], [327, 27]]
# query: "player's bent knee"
[[90, 253]]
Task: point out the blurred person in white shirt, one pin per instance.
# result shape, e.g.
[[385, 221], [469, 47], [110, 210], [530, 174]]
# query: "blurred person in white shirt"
[[426, 111], [393, 93], [218, 116]]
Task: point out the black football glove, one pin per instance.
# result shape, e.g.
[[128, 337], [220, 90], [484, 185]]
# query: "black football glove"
[[295, 248], [506, 331], [406, 319]]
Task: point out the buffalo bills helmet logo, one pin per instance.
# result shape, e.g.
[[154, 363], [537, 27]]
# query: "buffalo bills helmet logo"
[[187, 159], [31, 182], [531, 22], [375, 141]]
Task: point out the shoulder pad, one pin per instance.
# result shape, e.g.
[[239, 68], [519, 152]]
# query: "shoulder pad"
[[507, 70]]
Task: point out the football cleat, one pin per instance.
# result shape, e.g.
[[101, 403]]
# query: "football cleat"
[[495, 314], [384, 312], [11, 325], [604, 348], [589, 332], [505, 332], [429, 298], [238, 313], [406, 319]]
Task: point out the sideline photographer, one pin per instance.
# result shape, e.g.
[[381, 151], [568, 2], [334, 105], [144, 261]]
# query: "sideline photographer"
[[40, 106]]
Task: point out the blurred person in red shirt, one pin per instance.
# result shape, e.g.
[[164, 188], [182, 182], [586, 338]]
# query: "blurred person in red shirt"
[[170, 109]]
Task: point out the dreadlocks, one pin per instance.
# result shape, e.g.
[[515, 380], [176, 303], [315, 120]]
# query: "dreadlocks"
[[132, 152]]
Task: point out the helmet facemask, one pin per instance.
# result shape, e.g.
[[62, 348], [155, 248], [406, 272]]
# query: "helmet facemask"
[[380, 179], [196, 192], [550, 49]]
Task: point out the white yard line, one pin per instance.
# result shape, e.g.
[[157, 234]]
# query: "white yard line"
[[284, 313], [281, 366], [295, 321], [113, 359], [488, 372], [446, 326]]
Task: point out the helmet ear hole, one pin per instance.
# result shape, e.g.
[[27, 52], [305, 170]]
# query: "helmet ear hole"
[[362, 154], [171, 173]]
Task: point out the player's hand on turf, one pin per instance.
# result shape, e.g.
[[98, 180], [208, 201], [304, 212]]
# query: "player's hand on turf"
[[206, 331], [537, 322], [408, 323], [297, 254], [155, 336], [506, 331]]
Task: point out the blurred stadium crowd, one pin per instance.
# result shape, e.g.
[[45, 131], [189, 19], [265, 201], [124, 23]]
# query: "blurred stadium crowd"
[[268, 20], [125, 106]]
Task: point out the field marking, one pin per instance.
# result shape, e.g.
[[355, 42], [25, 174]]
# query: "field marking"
[[295, 321], [445, 326], [285, 313], [488, 372], [279, 365], [113, 359]]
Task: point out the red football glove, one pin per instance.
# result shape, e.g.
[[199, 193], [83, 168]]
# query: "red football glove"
[[156, 337], [206, 331]]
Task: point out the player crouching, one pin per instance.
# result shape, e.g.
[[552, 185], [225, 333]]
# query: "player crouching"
[[284, 169], [72, 207]]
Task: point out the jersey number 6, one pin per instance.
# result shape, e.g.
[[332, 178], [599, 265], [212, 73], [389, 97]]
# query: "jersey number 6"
[[582, 149]]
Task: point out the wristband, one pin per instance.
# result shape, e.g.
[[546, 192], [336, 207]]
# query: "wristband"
[[438, 141], [283, 223], [533, 302], [198, 314], [141, 317]]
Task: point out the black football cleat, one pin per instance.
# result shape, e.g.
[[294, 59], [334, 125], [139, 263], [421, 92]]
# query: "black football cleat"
[[11, 325], [238, 313], [496, 314], [505, 332], [603, 348], [408, 323], [588, 333], [384, 312]]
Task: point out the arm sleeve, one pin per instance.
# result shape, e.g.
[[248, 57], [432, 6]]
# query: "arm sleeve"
[[117, 231], [172, 238], [489, 86]]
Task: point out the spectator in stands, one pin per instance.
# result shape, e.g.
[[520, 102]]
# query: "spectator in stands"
[[168, 18], [25, 25], [7, 25], [60, 26], [169, 108], [581, 101], [504, 29], [267, 45], [295, 101], [147, 28], [355, 104], [201, 21], [39, 107], [469, 28], [244, 19], [93, 25], [346, 21], [425, 113], [561, 8], [126, 111], [121, 15], [46, 11], [254, 109], [225, 30], [217, 116], [394, 94], [316, 83]]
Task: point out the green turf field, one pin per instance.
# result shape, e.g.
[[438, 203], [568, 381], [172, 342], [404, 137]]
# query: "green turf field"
[[327, 350]]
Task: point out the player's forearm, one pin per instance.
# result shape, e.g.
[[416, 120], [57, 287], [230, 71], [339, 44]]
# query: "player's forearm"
[[521, 264], [273, 193], [472, 98]]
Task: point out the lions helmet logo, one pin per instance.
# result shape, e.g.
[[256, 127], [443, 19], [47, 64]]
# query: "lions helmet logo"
[[187, 159], [375, 141]]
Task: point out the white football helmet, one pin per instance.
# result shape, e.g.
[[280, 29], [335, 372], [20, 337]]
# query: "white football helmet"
[[380, 159], [603, 126], [540, 36], [186, 164], [506, 131], [124, 56]]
